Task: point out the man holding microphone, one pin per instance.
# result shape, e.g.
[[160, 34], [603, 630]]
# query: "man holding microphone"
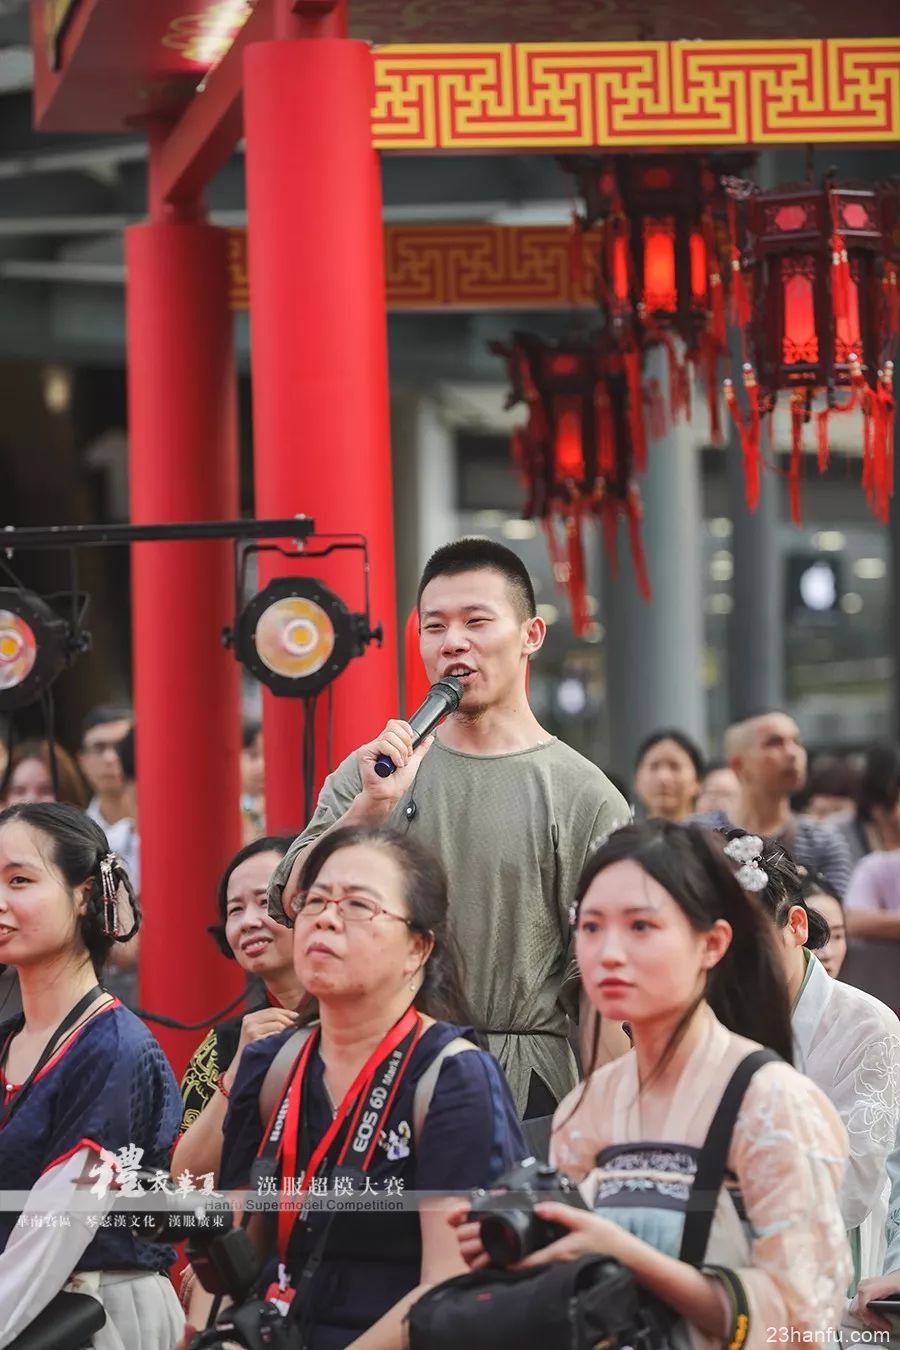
[[511, 811]]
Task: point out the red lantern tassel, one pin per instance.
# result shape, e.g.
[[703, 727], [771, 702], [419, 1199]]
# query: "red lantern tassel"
[[632, 363], [679, 383], [605, 431], [577, 587], [840, 277], [609, 524], [634, 514], [822, 437], [891, 285], [709, 364], [840, 265], [838, 408], [798, 418], [882, 461], [558, 562], [717, 309], [656, 409], [740, 299], [748, 431]]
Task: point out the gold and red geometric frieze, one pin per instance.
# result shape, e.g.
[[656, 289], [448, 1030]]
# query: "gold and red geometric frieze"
[[628, 95], [467, 267]]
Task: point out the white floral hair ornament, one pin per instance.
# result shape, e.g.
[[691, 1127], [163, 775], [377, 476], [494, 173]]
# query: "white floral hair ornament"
[[747, 852]]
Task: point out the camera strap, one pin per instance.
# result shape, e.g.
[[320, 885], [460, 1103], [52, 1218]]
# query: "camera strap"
[[349, 1143]]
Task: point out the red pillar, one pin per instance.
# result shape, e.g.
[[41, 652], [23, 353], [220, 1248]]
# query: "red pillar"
[[319, 345], [183, 457]]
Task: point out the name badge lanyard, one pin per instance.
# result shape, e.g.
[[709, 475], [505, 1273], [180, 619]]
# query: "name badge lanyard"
[[366, 1105]]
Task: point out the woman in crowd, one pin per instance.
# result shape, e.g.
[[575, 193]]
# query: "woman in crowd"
[[372, 945], [876, 822], [263, 948], [719, 791], [29, 776], [819, 896], [86, 1090], [667, 775], [872, 905], [667, 939], [253, 784], [832, 789], [849, 1045]]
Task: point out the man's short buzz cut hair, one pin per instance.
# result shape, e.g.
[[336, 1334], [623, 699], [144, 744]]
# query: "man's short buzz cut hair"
[[735, 739], [473, 555]]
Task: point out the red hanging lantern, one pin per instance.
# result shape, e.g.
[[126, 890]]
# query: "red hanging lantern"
[[576, 452], [660, 269], [823, 319]]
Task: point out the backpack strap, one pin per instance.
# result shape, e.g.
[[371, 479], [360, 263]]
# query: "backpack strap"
[[428, 1082], [277, 1073], [713, 1159], [276, 1077]]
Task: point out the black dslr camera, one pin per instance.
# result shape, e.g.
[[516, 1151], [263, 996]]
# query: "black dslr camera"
[[510, 1229], [227, 1262]]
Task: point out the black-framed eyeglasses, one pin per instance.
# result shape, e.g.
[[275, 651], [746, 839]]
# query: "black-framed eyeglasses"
[[352, 906]]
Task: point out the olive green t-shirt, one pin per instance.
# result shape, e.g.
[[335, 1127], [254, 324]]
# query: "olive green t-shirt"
[[512, 831]]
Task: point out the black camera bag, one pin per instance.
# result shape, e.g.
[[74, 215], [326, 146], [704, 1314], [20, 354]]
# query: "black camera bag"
[[576, 1305], [67, 1323], [565, 1305]]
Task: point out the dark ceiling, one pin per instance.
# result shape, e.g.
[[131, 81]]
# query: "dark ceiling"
[[614, 21]]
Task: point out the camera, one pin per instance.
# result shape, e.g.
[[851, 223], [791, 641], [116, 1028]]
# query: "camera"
[[227, 1263], [510, 1229]]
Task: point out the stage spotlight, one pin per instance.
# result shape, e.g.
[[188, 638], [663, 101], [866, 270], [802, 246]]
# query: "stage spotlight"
[[296, 636], [35, 645]]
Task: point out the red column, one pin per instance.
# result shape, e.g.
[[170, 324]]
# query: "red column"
[[319, 346], [182, 434]]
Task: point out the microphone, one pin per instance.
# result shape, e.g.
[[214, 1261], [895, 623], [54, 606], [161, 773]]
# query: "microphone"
[[442, 698]]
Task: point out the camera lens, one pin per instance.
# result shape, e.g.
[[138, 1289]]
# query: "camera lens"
[[505, 1237]]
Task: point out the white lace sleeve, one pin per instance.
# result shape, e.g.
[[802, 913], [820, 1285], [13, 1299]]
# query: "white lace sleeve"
[[789, 1152], [892, 1234], [866, 1096]]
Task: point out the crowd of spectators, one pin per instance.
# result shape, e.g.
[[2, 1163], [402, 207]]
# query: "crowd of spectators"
[[487, 954]]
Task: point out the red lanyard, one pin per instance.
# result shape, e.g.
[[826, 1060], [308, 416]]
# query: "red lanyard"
[[409, 1029]]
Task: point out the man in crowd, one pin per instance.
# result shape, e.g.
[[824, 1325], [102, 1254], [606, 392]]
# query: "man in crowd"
[[102, 730], [769, 760], [511, 811]]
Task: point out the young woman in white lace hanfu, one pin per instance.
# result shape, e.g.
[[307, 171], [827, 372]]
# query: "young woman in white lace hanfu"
[[668, 941], [849, 1044]]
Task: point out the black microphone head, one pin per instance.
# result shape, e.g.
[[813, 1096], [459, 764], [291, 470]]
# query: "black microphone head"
[[450, 689]]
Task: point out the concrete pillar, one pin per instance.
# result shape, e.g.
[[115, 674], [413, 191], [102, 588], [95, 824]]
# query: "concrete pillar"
[[755, 629], [424, 464], [654, 649]]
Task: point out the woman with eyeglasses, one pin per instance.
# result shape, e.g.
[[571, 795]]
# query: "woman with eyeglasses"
[[387, 1098]]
